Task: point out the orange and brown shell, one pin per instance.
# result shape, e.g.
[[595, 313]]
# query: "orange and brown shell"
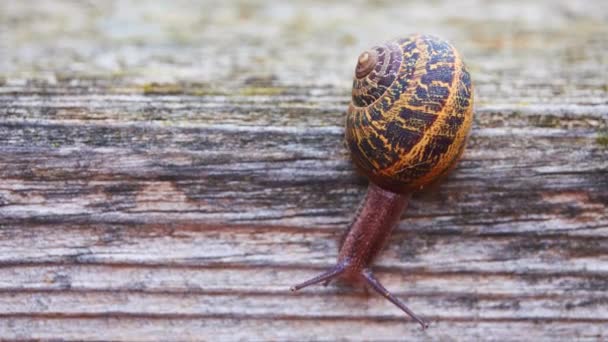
[[411, 111]]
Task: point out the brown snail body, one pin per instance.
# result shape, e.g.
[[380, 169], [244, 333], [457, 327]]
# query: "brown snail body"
[[406, 127]]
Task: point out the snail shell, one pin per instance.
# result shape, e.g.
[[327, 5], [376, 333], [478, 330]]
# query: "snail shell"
[[410, 113]]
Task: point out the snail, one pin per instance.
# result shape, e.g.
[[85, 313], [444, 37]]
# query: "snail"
[[406, 127]]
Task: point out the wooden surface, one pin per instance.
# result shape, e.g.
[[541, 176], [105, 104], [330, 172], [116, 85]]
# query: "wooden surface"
[[169, 169]]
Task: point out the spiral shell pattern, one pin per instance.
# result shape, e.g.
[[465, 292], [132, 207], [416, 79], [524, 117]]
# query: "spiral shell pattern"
[[410, 113]]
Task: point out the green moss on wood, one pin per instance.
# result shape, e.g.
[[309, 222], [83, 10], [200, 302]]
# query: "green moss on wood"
[[204, 90], [548, 121], [602, 139], [545, 121], [268, 91], [157, 89], [348, 39]]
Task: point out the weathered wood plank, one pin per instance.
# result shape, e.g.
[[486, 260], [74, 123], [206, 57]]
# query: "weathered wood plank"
[[169, 169], [307, 306], [268, 280], [289, 176], [209, 246], [138, 329]]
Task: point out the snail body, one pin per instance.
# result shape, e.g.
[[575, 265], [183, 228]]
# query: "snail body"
[[406, 127]]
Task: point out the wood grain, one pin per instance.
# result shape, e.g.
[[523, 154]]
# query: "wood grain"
[[169, 169]]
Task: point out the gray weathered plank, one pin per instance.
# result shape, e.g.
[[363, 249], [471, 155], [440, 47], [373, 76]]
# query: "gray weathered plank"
[[195, 329], [169, 169]]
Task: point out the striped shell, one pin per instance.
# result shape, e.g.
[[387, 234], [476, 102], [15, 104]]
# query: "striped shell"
[[411, 111]]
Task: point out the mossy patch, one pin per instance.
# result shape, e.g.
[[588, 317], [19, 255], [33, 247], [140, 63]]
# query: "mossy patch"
[[195, 89], [205, 92], [348, 39], [548, 121], [157, 89], [545, 121], [267, 91], [602, 139]]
